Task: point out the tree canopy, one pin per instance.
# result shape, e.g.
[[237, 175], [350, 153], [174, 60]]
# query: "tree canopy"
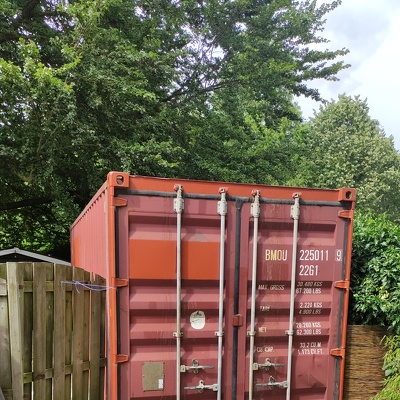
[[170, 88], [344, 147]]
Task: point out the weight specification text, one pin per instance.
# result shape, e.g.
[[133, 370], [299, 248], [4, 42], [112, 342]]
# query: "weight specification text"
[[308, 328]]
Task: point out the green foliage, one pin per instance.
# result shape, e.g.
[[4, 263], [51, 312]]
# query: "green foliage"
[[375, 272], [36, 114], [391, 361], [391, 390], [391, 366], [347, 148], [375, 288], [190, 89]]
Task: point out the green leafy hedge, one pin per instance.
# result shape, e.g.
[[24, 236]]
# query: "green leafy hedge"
[[375, 288], [375, 279]]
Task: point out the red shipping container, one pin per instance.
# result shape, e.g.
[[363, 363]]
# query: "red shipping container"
[[220, 290]]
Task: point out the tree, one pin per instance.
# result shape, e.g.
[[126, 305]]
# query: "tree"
[[346, 147], [144, 86]]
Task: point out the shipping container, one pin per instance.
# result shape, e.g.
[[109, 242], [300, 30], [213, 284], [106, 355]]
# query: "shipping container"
[[220, 290]]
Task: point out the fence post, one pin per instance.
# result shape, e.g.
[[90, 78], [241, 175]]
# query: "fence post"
[[15, 291], [39, 331], [95, 342], [59, 332], [77, 340]]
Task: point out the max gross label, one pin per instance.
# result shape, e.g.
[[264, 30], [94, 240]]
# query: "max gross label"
[[313, 274]]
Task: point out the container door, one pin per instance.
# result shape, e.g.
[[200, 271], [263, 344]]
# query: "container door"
[[230, 297], [294, 301], [171, 313]]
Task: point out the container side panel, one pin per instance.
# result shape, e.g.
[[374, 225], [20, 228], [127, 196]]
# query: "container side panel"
[[89, 238]]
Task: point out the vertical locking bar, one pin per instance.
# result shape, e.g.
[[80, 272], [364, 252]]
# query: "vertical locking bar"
[[178, 208], [295, 214], [222, 211], [255, 213]]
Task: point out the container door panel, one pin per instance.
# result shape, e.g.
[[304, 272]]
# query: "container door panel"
[[153, 298], [318, 306]]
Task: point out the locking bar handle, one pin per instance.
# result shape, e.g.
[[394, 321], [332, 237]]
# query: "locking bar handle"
[[267, 365], [273, 384], [195, 367], [201, 387]]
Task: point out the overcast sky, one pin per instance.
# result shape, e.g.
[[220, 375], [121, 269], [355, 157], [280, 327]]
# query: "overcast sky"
[[370, 29]]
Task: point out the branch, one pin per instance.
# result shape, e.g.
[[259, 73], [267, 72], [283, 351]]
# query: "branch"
[[28, 8], [6, 36], [173, 98], [25, 203]]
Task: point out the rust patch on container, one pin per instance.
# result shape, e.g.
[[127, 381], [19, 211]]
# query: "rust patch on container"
[[237, 320]]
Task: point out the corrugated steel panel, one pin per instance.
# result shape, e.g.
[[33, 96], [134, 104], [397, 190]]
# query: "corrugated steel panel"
[[170, 260], [89, 236]]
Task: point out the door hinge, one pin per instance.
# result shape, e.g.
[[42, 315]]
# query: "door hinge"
[[346, 214], [119, 282], [337, 353], [121, 358], [342, 285], [119, 202]]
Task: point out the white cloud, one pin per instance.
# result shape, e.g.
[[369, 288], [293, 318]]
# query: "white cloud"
[[371, 31]]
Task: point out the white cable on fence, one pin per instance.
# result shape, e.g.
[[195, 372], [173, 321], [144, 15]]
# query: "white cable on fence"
[[90, 286]]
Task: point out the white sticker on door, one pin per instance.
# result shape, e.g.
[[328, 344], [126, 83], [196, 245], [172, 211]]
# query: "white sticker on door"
[[198, 320]]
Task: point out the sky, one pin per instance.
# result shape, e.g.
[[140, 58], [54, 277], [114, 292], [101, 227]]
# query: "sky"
[[370, 29]]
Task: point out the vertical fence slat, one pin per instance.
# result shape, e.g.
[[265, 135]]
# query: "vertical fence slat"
[[5, 354], [102, 340], [39, 331], [59, 331], [77, 340], [49, 328], [86, 337], [68, 333], [95, 306], [28, 328], [15, 287]]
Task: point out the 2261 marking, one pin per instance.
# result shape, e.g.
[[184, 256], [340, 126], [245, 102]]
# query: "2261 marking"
[[308, 270]]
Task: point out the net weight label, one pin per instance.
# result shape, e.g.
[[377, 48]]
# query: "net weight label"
[[308, 328]]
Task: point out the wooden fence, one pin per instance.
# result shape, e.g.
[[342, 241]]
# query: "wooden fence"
[[364, 361], [51, 333]]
